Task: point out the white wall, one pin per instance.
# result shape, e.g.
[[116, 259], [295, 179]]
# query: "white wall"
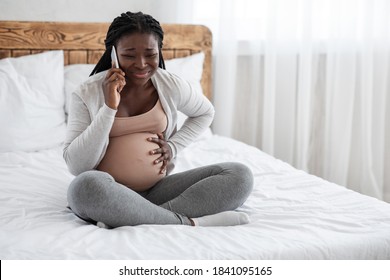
[[164, 11]]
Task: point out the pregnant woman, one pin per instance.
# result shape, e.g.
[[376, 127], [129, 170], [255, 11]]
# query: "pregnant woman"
[[122, 141]]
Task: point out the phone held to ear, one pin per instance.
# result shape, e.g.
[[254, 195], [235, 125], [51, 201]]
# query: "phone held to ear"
[[114, 57]]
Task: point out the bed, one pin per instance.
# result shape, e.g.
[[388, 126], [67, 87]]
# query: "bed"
[[294, 215]]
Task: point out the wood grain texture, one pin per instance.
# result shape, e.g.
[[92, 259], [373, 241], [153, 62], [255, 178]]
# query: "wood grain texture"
[[84, 42]]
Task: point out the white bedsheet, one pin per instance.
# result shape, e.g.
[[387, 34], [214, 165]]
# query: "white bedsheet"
[[293, 215]]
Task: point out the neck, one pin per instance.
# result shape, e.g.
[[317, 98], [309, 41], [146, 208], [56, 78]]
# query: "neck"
[[131, 88]]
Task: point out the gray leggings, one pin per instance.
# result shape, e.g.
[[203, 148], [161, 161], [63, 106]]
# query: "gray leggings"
[[95, 196]]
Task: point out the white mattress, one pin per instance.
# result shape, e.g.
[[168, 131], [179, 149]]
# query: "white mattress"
[[293, 215]]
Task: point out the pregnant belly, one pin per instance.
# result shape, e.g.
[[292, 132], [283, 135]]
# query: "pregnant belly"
[[129, 161]]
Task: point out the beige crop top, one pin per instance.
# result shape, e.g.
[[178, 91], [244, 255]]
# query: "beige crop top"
[[128, 157]]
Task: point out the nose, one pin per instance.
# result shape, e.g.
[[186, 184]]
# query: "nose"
[[140, 62]]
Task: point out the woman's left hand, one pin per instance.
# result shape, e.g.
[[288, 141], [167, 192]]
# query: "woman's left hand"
[[164, 150]]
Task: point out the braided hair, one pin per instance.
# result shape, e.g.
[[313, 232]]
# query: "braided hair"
[[128, 23]]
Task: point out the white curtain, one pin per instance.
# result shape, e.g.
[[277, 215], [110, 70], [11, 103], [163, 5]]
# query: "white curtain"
[[308, 82]]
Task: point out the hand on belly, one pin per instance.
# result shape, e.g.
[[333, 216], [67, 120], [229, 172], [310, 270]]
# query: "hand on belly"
[[129, 161]]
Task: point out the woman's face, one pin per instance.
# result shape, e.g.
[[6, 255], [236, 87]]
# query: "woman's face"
[[138, 56]]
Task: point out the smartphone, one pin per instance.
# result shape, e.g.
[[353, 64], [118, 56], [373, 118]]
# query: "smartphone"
[[114, 57]]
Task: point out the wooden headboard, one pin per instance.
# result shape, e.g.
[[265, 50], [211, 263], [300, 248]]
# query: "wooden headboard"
[[84, 42]]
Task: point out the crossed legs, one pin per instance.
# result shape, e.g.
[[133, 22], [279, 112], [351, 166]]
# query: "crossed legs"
[[190, 198]]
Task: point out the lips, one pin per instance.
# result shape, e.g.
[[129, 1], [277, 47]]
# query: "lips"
[[141, 75]]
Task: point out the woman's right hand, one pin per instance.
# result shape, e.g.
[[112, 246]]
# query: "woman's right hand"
[[112, 86]]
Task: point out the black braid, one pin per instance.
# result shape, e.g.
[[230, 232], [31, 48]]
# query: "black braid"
[[128, 23]]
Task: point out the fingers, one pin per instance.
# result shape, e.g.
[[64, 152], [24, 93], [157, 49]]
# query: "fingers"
[[115, 70], [116, 77], [164, 154], [113, 84], [164, 150], [164, 167], [157, 141], [160, 136], [164, 158]]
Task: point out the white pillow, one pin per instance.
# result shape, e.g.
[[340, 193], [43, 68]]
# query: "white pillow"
[[75, 75], [32, 102], [189, 68]]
